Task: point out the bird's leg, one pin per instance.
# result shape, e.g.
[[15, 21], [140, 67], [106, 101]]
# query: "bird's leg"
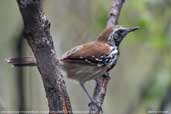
[[91, 99], [85, 90]]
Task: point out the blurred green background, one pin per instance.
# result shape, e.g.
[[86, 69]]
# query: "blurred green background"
[[140, 79]]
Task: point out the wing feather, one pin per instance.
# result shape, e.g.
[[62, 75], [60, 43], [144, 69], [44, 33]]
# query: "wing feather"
[[91, 53]]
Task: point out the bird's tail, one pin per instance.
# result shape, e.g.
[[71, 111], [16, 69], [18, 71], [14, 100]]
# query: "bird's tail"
[[22, 61]]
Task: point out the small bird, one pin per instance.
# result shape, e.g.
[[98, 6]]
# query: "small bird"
[[90, 60]]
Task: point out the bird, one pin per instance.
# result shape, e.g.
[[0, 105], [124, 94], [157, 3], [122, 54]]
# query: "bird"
[[90, 60]]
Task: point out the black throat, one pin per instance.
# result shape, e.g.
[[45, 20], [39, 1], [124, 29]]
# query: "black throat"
[[114, 40]]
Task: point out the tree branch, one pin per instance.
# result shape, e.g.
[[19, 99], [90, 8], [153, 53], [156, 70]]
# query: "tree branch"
[[20, 71], [102, 82], [37, 33], [114, 12], [165, 101]]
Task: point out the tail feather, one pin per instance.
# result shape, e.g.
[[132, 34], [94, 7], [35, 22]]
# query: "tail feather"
[[22, 61]]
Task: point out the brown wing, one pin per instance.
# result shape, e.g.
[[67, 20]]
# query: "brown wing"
[[90, 53]]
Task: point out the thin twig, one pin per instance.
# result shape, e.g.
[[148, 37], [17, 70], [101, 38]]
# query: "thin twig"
[[37, 33], [102, 82]]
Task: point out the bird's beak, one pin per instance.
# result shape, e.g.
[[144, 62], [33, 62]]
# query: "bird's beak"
[[132, 29]]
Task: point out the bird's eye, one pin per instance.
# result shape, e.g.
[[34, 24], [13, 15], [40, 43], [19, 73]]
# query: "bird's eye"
[[121, 31]]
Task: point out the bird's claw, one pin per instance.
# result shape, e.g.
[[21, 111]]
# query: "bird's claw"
[[97, 104]]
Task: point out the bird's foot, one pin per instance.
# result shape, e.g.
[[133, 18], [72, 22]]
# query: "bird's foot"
[[97, 105]]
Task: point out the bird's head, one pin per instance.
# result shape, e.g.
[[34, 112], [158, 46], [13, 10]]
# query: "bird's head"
[[114, 35]]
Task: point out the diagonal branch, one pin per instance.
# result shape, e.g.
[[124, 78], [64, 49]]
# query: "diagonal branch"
[[114, 12], [37, 33], [102, 82]]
